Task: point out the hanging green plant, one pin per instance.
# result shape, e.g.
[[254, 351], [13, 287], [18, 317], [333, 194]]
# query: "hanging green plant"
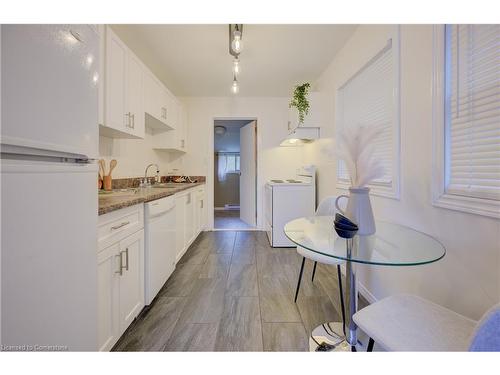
[[299, 100]]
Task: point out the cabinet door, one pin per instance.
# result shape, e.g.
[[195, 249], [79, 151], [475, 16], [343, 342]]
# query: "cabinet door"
[[135, 106], [180, 217], [116, 61], [197, 215], [170, 103], [182, 128], [189, 217], [131, 278], [108, 298], [203, 211], [152, 97]]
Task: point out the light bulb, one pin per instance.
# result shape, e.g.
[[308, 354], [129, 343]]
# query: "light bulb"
[[236, 66], [235, 88], [236, 44]]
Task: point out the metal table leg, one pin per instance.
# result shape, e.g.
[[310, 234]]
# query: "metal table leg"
[[330, 336]]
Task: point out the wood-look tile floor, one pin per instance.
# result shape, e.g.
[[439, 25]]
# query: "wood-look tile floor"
[[232, 292], [229, 219]]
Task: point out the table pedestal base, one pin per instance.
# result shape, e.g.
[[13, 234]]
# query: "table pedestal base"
[[329, 337]]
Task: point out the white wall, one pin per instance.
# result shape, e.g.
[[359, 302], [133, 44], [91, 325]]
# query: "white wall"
[[272, 116], [133, 155], [467, 279]]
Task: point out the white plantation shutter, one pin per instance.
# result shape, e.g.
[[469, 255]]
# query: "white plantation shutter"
[[472, 136], [368, 99]]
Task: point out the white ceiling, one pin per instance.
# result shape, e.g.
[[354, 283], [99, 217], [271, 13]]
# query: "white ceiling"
[[194, 60]]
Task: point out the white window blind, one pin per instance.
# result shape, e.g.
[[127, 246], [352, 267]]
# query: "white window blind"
[[472, 111], [368, 99]]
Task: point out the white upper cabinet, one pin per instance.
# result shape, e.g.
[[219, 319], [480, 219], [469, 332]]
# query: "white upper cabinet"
[[135, 99], [173, 140], [132, 98], [161, 107], [318, 112], [155, 103], [122, 109]]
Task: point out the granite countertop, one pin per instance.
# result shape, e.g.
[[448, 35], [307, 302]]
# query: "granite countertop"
[[128, 197]]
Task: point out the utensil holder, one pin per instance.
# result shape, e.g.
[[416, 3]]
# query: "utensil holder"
[[107, 183]]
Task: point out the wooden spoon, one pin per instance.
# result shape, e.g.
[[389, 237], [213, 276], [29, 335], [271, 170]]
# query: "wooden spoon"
[[112, 165], [102, 165]]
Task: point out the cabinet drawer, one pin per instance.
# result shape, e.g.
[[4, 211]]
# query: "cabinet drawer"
[[119, 224]]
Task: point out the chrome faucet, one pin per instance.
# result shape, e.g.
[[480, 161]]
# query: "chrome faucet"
[[145, 182]]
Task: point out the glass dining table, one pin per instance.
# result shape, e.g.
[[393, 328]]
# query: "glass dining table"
[[391, 245]]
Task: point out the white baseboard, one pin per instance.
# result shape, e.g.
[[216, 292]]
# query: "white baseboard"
[[365, 293]]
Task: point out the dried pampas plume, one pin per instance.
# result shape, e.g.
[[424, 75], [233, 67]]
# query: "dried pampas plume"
[[355, 147]]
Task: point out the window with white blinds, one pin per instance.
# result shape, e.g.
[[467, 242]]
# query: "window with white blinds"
[[369, 99], [472, 111]]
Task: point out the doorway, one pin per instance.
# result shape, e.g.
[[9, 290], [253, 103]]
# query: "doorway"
[[235, 174]]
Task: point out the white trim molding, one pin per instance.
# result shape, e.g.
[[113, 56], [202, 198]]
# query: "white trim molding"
[[440, 197]]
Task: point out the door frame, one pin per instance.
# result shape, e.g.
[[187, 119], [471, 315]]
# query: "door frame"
[[211, 167]]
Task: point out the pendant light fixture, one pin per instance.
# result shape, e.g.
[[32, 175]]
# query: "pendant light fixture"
[[235, 39], [236, 66], [235, 47], [237, 44], [235, 88]]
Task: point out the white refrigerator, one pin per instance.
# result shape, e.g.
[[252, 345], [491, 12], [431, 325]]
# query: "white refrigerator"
[[49, 140]]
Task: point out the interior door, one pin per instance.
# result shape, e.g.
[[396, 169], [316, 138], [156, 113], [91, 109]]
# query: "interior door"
[[248, 176]]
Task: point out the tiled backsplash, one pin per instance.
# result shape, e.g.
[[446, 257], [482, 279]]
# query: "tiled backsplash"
[[133, 182]]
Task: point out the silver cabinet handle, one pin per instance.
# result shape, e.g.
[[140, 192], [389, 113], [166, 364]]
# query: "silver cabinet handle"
[[120, 270], [129, 120], [126, 258], [182, 143], [132, 116], [201, 203], [120, 225]]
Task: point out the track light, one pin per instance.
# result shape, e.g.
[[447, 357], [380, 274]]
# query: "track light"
[[235, 88], [235, 47], [236, 66], [237, 44]]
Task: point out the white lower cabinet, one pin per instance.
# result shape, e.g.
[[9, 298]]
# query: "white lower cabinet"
[[108, 302], [190, 211], [120, 278], [199, 210], [131, 278], [180, 226], [121, 265], [189, 223]]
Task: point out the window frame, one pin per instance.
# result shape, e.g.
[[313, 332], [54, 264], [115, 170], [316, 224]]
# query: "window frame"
[[380, 189], [440, 197]]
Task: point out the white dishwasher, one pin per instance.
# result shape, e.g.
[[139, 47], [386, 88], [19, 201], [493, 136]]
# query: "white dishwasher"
[[159, 254]]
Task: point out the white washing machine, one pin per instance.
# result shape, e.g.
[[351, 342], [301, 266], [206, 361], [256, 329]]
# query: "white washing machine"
[[159, 252]]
